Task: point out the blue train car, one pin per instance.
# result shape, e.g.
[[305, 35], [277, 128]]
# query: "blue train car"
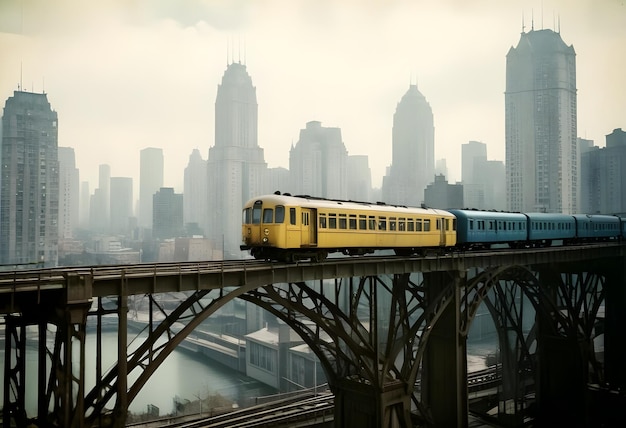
[[543, 228], [623, 222], [481, 229], [597, 227]]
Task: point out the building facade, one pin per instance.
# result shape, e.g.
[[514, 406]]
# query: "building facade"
[[413, 151], [236, 169], [318, 163], [150, 181], [69, 193], [195, 209], [167, 214], [542, 173], [440, 194], [359, 178], [29, 181], [121, 203], [603, 176], [483, 180]]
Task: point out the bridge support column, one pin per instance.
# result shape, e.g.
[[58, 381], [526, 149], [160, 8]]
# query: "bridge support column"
[[609, 401], [444, 375], [561, 383], [362, 405]]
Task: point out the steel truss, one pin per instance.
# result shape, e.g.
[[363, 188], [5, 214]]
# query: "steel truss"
[[565, 308], [368, 333]]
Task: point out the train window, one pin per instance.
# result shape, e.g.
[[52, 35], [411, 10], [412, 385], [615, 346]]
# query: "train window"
[[322, 221], [410, 226], [268, 215], [352, 221], [453, 224], [490, 225], [401, 224], [343, 223], [332, 221], [256, 214], [382, 223], [392, 223], [471, 225], [247, 215], [371, 220], [362, 222], [427, 225], [280, 214], [438, 224], [292, 216], [418, 225]]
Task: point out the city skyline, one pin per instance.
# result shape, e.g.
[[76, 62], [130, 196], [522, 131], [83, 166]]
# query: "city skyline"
[[123, 80]]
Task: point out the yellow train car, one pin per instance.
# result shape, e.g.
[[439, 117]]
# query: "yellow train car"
[[284, 227]]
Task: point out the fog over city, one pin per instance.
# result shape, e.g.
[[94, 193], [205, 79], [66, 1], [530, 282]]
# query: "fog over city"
[[125, 75]]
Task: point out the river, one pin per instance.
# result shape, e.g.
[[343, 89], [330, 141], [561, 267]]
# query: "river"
[[182, 374]]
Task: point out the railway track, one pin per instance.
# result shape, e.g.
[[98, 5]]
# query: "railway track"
[[285, 412]]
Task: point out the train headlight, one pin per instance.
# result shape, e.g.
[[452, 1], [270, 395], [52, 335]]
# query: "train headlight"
[[265, 240], [249, 231], [266, 231]]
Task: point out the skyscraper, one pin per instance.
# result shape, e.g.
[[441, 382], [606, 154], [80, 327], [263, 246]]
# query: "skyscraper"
[[413, 150], [150, 181], [121, 203], [236, 165], [29, 181], [68, 193], [540, 124], [318, 163], [99, 209], [195, 209]]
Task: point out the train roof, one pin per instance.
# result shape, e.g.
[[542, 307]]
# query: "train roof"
[[488, 215], [315, 202]]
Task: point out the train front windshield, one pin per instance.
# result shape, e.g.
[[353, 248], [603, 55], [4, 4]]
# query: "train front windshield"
[[256, 213]]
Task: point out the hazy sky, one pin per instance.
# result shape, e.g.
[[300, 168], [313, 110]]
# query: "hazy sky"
[[128, 74]]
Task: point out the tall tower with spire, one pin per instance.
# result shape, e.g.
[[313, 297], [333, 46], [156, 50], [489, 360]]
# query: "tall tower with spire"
[[542, 171], [413, 150], [236, 169]]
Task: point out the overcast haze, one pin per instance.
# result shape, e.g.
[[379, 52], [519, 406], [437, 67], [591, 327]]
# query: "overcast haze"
[[125, 75]]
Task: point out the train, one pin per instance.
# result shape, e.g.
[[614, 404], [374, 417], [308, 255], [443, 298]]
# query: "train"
[[289, 228]]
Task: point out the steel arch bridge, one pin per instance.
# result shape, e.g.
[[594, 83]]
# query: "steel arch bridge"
[[390, 333]]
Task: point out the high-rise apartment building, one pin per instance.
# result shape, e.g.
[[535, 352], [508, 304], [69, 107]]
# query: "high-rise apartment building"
[[318, 163], [236, 165], [68, 193], [542, 171], [413, 150], [195, 209], [29, 181], [150, 181], [603, 176]]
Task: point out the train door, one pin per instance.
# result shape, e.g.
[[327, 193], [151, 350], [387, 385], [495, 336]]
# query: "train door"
[[308, 237], [443, 224]]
